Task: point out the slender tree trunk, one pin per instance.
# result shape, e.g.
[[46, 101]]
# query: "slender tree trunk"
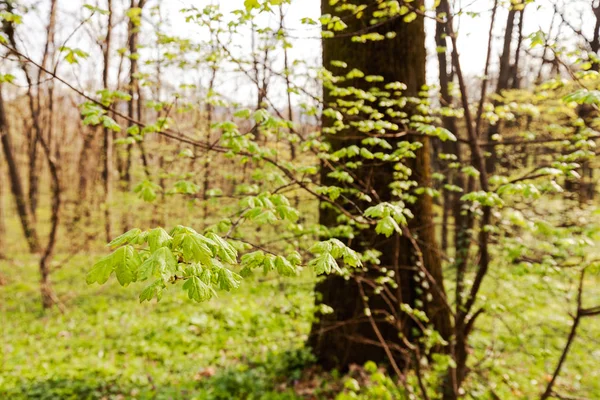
[[448, 122], [15, 181], [347, 335], [209, 120], [52, 157], [288, 86], [34, 107], [48, 297], [503, 84], [516, 78], [595, 43], [2, 222], [134, 106], [82, 209], [107, 133], [36, 112]]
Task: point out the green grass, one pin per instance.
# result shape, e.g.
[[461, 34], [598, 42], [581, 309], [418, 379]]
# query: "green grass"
[[106, 344], [524, 330], [250, 344]]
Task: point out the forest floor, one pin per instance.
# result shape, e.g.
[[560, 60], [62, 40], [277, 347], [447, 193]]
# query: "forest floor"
[[249, 344]]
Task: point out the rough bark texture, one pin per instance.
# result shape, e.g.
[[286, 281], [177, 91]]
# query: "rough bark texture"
[[346, 336]]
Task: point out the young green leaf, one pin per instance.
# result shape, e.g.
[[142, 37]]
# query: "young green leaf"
[[152, 291], [158, 238], [161, 263], [126, 238], [101, 271], [126, 261], [198, 290]]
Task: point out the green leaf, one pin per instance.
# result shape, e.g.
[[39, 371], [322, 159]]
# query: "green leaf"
[[92, 120], [94, 9], [158, 238], [284, 267], [537, 38], [110, 123], [154, 290], [583, 96], [324, 264], [161, 263], [126, 238], [147, 190], [266, 217], [252, 261], [186, 187], [126, 261], [251, 4], [101, 271], [196, 248], [224, 250], [410, 17], [244, 113], [228, 280], [387, 226], [198, 290]]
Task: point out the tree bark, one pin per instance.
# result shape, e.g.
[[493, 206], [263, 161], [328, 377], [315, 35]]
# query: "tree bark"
[[108, 134], [134, 109], [449, 199], [48, 297], [347, 336], [15, 181], [503, 84], [2, 222], [516, 78]]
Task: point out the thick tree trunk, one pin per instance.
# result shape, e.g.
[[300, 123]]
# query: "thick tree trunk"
[[348, 335]]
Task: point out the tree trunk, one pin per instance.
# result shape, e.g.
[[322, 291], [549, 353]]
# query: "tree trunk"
[[209, 109], [48, 297], [15, 181], [134, 107], [595, 43], [449, 123], [349, 335], [108, 134], [503, 84], [2, 223], [516, 78]]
